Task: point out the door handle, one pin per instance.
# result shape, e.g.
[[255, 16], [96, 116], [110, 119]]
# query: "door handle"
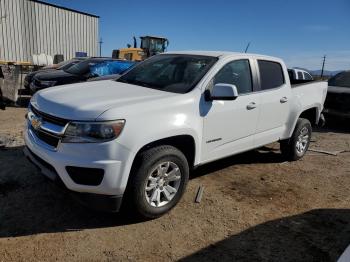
[[284, 100], [251, 106]]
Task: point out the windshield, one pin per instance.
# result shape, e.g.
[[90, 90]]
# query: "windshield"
[[342, 79], [68, 64], [156, 45], [171, 73], [84, 67], [63, 63]]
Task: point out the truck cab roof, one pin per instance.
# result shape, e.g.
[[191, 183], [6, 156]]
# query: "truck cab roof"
[[223, 54]]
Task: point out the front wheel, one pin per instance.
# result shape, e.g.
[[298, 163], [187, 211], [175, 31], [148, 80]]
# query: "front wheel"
[[159, 181], [295, 147]]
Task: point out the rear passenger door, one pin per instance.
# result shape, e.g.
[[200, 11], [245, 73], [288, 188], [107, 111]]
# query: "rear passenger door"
[[275, 97]]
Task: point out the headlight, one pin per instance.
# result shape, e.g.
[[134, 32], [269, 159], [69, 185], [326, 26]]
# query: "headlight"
[[47, 83], [92, 132]]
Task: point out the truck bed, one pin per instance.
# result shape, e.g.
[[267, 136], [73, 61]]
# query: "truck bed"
[[305, 96], [298, 83], [310, 94]]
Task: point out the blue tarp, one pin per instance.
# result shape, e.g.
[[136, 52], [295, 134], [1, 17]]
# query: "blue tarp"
[[111, 67]]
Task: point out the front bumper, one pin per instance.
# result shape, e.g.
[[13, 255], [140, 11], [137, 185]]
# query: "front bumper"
[[106, 203], [33, 88], [111, 157]]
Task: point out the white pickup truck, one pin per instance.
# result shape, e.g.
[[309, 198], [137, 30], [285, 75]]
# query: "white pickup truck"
[[138, 137]]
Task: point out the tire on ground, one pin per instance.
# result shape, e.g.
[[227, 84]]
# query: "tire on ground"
[[146, 162], [289, 146]]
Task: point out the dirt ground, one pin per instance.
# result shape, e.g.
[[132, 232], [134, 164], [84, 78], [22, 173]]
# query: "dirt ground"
[[255, 207]]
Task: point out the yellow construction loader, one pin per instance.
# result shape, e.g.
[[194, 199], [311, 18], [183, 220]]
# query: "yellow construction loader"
[[150, 45]]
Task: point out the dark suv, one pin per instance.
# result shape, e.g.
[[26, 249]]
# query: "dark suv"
[[60, 66], [338, 96], [81, 72]]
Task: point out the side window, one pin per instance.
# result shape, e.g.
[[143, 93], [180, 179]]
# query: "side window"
[[128, 56], [271, 74], [236, 73], [300, 75]]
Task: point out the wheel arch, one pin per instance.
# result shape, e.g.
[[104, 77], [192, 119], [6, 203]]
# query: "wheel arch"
[[185, 143], [311, 114]]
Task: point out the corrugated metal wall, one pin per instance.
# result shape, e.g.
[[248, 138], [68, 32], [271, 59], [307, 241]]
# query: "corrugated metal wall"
[[28, 27]]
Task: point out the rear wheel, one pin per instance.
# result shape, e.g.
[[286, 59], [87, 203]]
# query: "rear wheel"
[[296, 147], [159, 181]]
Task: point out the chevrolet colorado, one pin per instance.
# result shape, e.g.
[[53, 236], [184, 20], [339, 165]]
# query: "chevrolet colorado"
[[136, 138]]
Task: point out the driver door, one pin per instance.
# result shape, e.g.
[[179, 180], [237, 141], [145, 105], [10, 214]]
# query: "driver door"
[[229, 126]]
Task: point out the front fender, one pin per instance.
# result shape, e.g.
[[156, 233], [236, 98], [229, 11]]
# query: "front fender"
[[150, 137]]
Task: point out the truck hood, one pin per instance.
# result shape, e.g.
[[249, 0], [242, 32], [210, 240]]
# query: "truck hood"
[[86, 101]]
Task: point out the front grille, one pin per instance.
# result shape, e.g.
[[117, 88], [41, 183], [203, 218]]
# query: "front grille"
[[50, 138], [47, 138], [338, 101], [49, 118]]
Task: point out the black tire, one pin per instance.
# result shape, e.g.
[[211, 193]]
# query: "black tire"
[[147, 161], [289, 147]]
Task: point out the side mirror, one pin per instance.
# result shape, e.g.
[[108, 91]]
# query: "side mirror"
[[222, 92]]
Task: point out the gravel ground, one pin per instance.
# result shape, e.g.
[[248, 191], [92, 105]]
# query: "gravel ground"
[[255, 207]]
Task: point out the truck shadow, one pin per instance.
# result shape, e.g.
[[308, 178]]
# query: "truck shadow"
[[258, 156], [30, 204], [317, 235]]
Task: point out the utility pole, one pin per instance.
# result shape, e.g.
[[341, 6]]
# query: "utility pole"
[[246, 49], [324, 60], [100, 42]]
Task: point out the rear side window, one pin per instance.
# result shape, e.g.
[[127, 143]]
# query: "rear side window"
[[271, 74]]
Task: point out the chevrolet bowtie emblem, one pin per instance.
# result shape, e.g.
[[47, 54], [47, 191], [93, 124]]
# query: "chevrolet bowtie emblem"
[[36, 122]]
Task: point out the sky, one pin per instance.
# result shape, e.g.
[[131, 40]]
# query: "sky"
[[301, 31]]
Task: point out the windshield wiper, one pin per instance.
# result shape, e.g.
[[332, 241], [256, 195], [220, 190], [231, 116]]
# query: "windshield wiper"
[[122, 80], [140, 83]]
